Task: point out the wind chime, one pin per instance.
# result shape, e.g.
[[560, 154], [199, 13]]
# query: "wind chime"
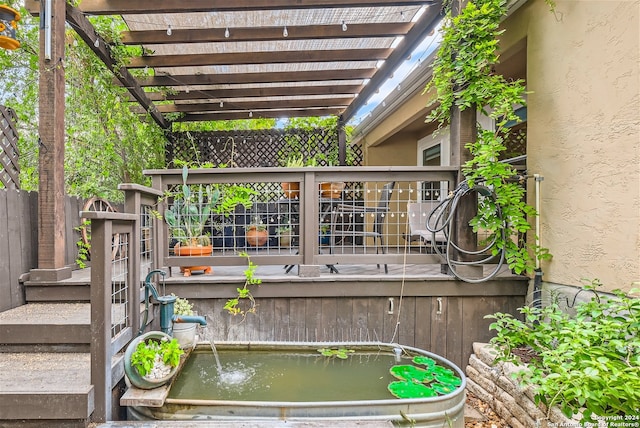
[[9, 18]]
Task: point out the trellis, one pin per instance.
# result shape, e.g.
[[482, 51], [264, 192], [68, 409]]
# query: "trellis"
[[9, 168], [258, 148]]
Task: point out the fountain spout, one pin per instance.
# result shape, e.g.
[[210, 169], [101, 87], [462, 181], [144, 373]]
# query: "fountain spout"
[[189, 318]]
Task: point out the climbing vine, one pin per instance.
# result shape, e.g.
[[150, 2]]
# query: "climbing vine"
[[464, 78]]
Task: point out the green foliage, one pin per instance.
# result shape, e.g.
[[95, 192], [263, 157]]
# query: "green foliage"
[[589, 362], [298, 147], [342, 353], [464, 78], [244, 303], [106, 143], [84, 248], [182, 306], [144, 357], [194, 204], [225, 125]]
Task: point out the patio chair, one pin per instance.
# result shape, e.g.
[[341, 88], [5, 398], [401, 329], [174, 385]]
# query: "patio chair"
[[343, 224], [418, 214]]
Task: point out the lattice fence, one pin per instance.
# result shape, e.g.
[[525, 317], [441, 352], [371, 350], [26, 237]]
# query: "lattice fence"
[[9, 168], [258, 148]]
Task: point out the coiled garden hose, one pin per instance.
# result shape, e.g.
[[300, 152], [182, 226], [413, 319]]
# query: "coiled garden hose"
[[441, 220]]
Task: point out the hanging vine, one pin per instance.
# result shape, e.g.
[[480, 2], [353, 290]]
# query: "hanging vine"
[[464, 78]]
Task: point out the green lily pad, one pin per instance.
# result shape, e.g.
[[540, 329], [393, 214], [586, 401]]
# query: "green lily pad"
[[439, 370], [411, 373], [442, 389], [410, 389], [448, 379], [424, 361]]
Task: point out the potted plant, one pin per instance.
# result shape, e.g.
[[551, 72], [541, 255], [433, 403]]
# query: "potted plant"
[[285, 235], [151, 360], [192, 208], [291, 190], [184, 332], [256, 233]]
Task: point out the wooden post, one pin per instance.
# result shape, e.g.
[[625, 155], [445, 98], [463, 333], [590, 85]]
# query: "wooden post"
[[463, 130], [51, 203], [342, 142]]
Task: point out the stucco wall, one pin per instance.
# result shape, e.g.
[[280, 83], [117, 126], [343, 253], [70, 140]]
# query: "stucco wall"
[[584, 138]]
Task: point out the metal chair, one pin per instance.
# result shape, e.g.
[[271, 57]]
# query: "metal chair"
[[418, 214], [341, 229]]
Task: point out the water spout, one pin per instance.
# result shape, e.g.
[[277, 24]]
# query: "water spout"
[[189, 318]]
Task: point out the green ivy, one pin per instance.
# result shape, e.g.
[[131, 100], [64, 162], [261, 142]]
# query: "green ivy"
[[464, 78], [587, 363]]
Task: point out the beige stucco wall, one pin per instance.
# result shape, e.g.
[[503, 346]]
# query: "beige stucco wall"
[[583, 134]]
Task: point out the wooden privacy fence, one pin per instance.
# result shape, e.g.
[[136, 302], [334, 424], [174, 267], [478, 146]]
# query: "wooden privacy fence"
[[19, 240], [9, 168]]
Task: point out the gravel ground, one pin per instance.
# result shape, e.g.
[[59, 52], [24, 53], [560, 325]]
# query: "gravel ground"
[[491, 419]]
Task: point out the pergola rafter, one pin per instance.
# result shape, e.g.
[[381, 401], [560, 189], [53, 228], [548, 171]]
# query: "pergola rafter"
[[257, 55]]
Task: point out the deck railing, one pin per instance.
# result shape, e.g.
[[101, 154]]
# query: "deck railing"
[[323, 229]]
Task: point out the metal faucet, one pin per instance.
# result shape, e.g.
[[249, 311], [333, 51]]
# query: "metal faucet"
[[167, 317]]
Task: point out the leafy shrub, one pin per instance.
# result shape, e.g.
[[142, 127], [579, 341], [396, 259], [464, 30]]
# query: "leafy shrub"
[[587, 363]]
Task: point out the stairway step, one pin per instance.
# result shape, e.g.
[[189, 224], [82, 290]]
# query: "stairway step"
[[74, 289], [45, 386], [46, 324], [52, 327]]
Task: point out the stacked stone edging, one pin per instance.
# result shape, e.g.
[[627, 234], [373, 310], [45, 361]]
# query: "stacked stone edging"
[[496, 386]]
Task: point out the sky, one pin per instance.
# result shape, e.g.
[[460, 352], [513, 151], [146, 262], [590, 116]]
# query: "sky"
[[422, 51]]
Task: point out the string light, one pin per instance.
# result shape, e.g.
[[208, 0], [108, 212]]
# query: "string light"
[[285, 33], [226, 33], [221, 103], [186, 89], [344, 26], [169, 30], [402, 17], [96, 43], [250, 114]]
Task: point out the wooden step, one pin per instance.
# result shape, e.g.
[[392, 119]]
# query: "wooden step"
[[59, 326], [39, 387], [74, 289], [50, 327]]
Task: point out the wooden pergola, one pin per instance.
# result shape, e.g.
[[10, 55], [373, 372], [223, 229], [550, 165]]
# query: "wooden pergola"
[[225, 60]]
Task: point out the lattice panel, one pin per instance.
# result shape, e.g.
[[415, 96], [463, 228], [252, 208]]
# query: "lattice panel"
[[9, 168], [257, 148]]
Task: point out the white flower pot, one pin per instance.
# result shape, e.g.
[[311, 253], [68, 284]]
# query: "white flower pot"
[[185, 333]]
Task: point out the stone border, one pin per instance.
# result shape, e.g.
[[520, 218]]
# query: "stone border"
[[495, 385]]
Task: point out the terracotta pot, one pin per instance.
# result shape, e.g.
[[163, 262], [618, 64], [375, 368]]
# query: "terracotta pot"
[[291, 190], [193, 250], [331, 190], [256, 237]]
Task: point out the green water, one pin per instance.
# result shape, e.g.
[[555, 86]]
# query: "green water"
[[299, 377]]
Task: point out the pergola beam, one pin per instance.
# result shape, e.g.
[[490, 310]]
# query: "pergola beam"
[[87, 32], [253, 105], [257, 92], [277, 57], [271, 114], [262, 34], [245, 78], [131, 7]]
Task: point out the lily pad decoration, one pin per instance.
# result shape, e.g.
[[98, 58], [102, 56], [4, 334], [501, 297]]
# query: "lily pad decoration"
[[411, 373], [424, 361], [442, 389], [448, 379], [410, 389], [341, 353]]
